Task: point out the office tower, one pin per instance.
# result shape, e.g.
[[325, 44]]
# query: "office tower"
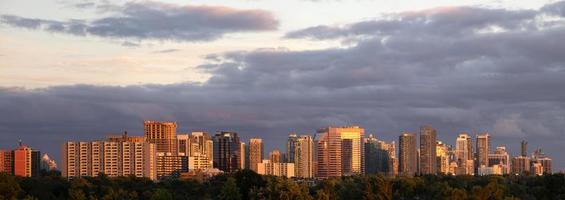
[[544, 160], [291, 147], [340, 151], [483, 149], [442, 158], [524, 148], [428, 152], [255, 153], [500, 158], [464, 154], [407, 159], [266, 167], [163, 135], [520, 165], [304, 157], [184, 144], [113, 158], [227, 151]]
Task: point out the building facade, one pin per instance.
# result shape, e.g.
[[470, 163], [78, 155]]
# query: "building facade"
[[227, 151], [407, 159], [304, 156], [428, 152], [163, 135], [256, 155], [121, 158]]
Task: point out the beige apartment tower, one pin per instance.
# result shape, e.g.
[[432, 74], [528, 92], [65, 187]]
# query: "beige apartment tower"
[[304, 156], [163, 135], [483, 148], [255, 153], [118, 158]]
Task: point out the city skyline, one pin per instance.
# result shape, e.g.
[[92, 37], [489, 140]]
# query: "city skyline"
[[76, 71]]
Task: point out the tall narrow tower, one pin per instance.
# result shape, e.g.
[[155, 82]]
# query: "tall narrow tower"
[[428, 150], [407, 165]]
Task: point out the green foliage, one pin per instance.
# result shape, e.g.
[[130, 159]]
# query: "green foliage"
[[246, 184], [230, 191]]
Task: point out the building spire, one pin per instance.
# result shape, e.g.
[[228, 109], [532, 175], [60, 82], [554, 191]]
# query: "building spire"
[[20, 142]]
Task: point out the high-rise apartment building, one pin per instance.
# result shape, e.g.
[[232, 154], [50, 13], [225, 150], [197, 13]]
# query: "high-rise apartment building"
[[291, 147], [113, 158], [521, 165], [227, 151], [169, 165], [428, 152], [464, 154], [340, 151], [22, 161], [407, 159], [544, 160], [304, 157], [6, 161], [255, 153], [483, 149], [442, 158], [500, 158], [198, 147], [163, 135]]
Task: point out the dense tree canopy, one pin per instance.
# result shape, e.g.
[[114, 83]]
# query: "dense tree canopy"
[[247, 184]]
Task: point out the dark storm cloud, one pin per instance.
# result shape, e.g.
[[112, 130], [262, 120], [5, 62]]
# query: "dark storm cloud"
[[396, 77], [158, 21]]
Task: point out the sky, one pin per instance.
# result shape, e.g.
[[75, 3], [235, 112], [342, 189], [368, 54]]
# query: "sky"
[[80, 70]]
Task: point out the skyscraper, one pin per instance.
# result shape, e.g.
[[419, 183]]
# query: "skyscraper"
[[291, 147], [483, 148], [442, 151], [304, 157], [163, 135], [340, 151], [464, 154], [255, 153], [524, 148], [407, 159], [227, 151], [428, 152]]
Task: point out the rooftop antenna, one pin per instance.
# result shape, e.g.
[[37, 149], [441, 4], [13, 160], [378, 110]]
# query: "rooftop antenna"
[[20, 142]]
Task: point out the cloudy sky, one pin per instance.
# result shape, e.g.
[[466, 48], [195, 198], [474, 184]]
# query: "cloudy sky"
[[79, 70]]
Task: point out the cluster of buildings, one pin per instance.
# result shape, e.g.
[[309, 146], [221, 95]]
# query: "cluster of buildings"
[[24, 161], [331, 152], [465, 158]]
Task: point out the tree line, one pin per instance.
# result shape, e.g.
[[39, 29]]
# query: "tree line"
[[246, 184]]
